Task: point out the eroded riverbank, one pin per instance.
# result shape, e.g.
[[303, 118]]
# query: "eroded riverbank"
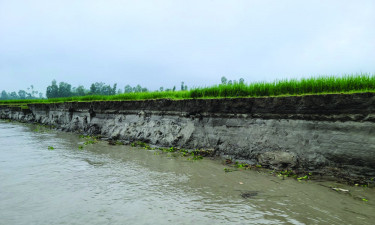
[[117, 184], [328, 135]]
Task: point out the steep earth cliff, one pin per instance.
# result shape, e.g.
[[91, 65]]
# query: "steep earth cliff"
[[328, 134]]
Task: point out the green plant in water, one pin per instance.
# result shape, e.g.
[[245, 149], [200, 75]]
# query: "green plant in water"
[[303, 178], [365, 200], [287, 173], [195, 156], [90, 142], [242, 165], [50, 148], [140, 144], [80, 147]]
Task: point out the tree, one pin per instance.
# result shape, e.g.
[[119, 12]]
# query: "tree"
[[137, 88], [223, 80], [96, 88], [242, 81], [105, 90], [52, 90], [22, 94], [174, 88], [13, 95], [80, 91], [4, 95], [128, 89], [182, 86], [230, 82], [32, 92], [65, 90], [93, 89], [161, 88], [113, 92]]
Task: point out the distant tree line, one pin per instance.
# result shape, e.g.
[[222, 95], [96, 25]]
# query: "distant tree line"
[[21, 94], [64, 89], [225, 81]]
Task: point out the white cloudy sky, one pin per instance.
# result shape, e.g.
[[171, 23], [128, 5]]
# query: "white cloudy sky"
[[163, 42]]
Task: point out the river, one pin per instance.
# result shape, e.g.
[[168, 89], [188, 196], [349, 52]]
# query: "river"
[[105, 184]]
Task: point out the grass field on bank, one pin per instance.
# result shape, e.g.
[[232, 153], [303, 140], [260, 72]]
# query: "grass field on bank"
[[314, 85]]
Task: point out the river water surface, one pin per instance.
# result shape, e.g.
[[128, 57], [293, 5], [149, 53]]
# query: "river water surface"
[[103, 184]]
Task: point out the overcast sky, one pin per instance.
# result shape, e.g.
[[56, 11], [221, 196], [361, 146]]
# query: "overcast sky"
[[163, 42]]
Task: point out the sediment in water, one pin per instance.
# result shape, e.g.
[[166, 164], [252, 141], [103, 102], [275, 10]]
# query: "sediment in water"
[[332, 135]]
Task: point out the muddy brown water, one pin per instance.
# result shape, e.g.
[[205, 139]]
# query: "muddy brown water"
[[104, 184]]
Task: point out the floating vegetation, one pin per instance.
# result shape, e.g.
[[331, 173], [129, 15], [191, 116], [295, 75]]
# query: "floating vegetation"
[[84, 136], [197, 154], [340, 190], [89, 140], [242, 165], [50, 148], [285, 173], [195, 157], [303, 178], [239, 166], [249, 194], [139, 144], [118, 143]]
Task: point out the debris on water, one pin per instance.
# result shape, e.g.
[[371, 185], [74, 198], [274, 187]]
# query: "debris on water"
[[249, 194], [340, 189]]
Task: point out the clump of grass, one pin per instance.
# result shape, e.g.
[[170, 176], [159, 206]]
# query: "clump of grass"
[[196, 154], [90, 142], [141, 144], [50, 148], [171, 149]]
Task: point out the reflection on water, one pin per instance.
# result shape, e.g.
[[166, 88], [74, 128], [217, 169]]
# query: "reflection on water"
[[104, 184]]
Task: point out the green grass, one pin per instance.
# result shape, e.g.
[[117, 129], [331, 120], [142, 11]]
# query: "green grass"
[[314, 85], [317, 85]]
